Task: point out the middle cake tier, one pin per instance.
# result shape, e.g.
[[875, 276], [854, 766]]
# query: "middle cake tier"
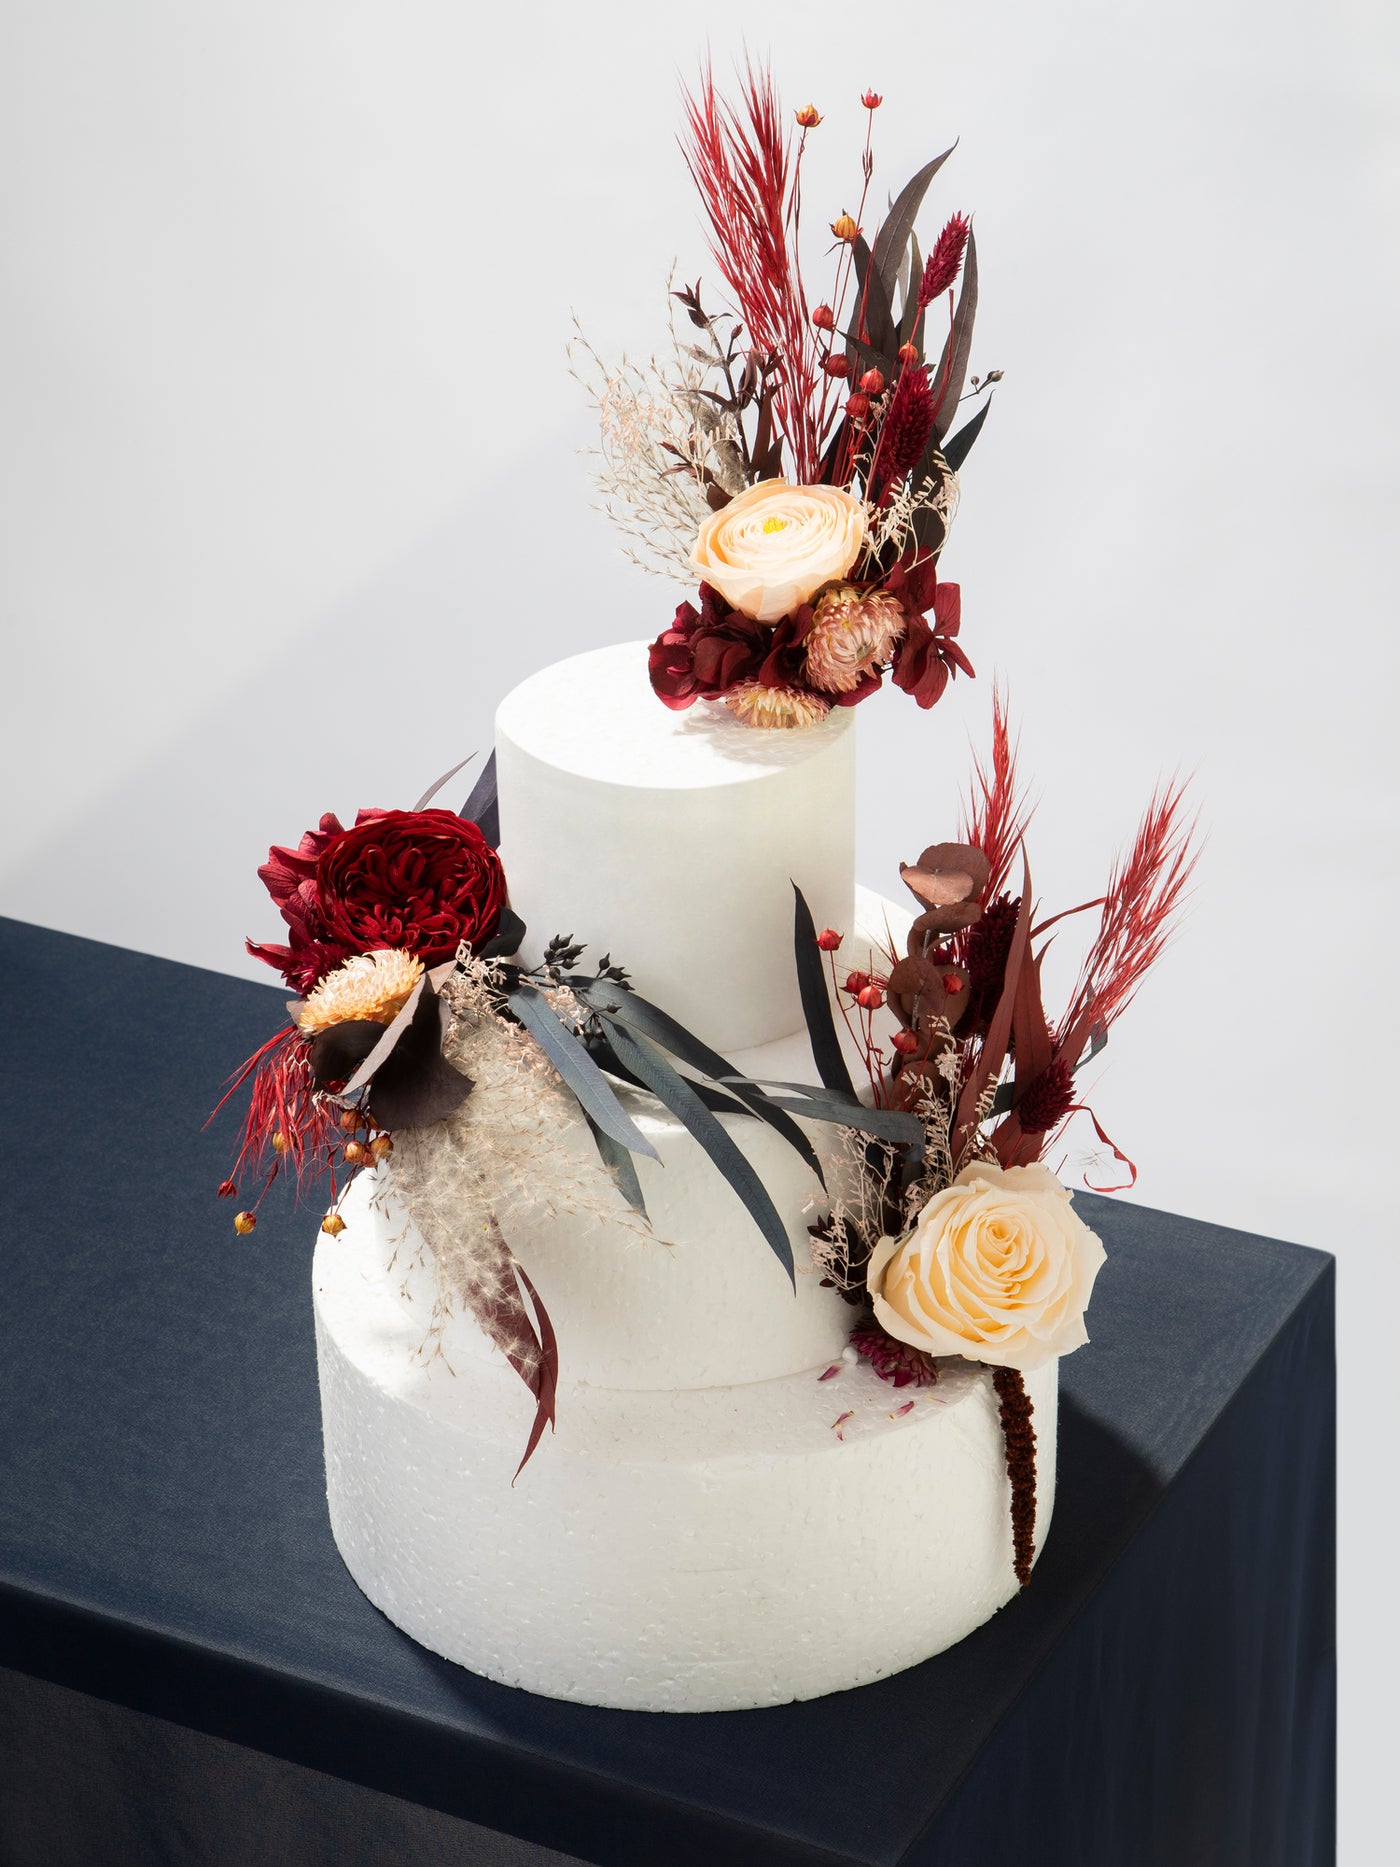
[[697, 1301]]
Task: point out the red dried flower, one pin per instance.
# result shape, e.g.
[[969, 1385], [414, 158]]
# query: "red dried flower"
[[896, 1362], [872, 382], [228, 1189], [904, 435], [858, 406], [824, 318], [929, 655], [809, 116], [870, 997], [835, 364], [871, 99], [905, 1042], [1047, 1098], [945, 261], [908, 354], [857, 982], [289, 875], [952, 984], [828, 940], [705, 652], [421, 881]]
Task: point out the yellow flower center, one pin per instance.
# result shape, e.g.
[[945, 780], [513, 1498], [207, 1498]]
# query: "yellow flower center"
[[775, 525]]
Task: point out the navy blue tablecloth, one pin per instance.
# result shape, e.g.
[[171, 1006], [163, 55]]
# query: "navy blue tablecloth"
[[1163, 1692]]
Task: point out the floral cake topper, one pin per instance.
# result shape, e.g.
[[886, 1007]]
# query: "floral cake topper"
[[800, 458]]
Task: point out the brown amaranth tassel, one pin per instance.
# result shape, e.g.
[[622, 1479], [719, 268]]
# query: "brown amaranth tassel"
[[1019, 1436]]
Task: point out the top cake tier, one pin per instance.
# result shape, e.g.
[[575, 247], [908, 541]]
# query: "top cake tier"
[[672, 840]]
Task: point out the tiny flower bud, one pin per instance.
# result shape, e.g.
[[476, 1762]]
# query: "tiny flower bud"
[[350, 1120], [280, 1143], [227, 1189], [836, 365], [952, 984], [908, 355], [845, 228], [809, 116], [857, 982], [333, 1224], [858, 406], [824, 318], [828, 940], [381, 1147], [244, 1222], [355, 1152], [870, 998], [873, 383], [871, 99], [905, 1043]]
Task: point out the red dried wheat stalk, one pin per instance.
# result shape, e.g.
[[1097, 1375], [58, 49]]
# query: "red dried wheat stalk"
[[283, 1100], [1145, 893], [738, 159], [996, 812]]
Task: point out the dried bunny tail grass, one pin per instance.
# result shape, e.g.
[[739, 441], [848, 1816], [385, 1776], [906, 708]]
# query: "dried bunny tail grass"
[[893, 524], [659, 438], [516, 1149]]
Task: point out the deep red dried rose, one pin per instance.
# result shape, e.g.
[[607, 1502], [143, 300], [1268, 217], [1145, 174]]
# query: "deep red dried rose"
[[419, 880]]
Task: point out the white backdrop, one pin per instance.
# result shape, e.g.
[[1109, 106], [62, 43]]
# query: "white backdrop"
[[291, 493]]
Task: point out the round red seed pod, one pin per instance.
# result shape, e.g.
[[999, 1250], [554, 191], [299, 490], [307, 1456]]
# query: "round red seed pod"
[[873, 382], [836, 365], [828, 939], [870, 998], [905, 1042], [245, 1222]]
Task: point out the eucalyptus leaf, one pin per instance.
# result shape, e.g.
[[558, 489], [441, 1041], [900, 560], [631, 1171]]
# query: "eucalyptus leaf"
[[481, 807], [587, 1082], [816, 1004], [672, 1090], [952, 375], [898, 224], [637, 1012], [958, 446], [618, 1160]]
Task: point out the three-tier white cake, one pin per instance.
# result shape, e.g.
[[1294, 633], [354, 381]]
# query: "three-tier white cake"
[[734, 1509]]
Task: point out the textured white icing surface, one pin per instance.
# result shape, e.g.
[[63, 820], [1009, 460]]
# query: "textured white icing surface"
[[703, 1302], [672, 839], [700, 1550]]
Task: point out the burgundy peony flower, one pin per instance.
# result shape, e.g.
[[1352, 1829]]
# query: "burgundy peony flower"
[[929, 654], [422, 881]]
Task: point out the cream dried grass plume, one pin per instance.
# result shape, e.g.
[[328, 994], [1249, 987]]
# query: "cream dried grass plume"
[[656, 496], [517, 1148]]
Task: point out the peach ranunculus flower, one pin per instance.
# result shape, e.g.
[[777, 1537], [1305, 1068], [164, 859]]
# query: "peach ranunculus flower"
[[774, 546], [997, 1268]]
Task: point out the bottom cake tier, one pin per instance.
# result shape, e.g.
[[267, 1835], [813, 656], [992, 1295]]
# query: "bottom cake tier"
[[709, 1549]]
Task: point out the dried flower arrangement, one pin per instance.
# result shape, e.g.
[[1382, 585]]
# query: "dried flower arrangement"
[[419, 1035], [799, 457]]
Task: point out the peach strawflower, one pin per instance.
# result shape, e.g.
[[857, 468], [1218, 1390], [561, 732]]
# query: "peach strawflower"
[[850, 632], [757, 705], [373, 986]]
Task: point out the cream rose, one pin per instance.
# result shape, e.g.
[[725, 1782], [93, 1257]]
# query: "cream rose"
[[997, 1268], [774, 546]]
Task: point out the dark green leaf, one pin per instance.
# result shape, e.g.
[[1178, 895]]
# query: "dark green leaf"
[[579, 1071], [872, 313], [661, 1028], [480, 808], [898, 224], [620, 1163], [679, 1096], [958, 446], [816, 1005]]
